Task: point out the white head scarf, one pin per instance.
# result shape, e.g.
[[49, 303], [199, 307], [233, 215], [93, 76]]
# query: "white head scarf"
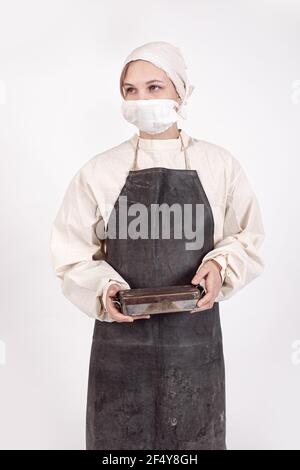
[[167, 57]]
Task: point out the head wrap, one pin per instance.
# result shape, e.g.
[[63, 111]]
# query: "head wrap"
[[168, 58]]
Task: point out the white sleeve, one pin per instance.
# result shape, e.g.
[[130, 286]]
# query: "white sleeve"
[[77, 253], [243, 234]]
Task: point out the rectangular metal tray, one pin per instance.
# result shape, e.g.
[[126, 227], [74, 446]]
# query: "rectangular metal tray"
[[155, 300]]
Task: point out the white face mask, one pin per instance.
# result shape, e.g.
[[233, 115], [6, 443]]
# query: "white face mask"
[[151, 116]]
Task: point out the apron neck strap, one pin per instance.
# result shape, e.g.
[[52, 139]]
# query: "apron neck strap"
[[187, 163]]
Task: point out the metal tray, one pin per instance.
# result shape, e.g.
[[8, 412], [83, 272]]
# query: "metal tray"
[[150, 301]]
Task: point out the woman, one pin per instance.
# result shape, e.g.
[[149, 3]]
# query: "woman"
[[156, 382]]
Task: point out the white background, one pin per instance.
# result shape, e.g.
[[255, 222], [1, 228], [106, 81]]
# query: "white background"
[[60, 63]]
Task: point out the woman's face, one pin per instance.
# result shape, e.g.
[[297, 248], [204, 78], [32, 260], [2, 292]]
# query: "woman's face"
[[145, 81]]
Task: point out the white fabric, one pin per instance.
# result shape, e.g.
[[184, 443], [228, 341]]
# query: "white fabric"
[[78, 254], [152, 116], [168, 58]]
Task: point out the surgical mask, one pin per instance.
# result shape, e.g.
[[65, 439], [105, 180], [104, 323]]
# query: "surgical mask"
[[151, 116]]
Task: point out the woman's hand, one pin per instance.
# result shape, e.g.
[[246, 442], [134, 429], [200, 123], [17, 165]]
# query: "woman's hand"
[[210, 271], [113, 311]]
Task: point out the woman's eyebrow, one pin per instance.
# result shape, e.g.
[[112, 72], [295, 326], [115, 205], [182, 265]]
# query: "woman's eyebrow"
[[147, 83]]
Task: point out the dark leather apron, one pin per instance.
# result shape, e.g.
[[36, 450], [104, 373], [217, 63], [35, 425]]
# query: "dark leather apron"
[[158, 383]]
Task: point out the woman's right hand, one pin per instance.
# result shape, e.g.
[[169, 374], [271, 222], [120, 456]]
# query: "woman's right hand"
[[114, 313]]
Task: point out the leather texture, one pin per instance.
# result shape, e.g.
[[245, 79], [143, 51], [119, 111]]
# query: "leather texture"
[[158, 383]]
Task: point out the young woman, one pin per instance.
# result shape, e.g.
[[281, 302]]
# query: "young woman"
[[156, 382]]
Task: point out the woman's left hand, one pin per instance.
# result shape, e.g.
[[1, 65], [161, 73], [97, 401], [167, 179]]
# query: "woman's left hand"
[[210, 271]]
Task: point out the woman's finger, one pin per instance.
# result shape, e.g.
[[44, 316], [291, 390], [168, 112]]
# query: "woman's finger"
[[140, 317], [206, 299], [121, 317], [115, 313]]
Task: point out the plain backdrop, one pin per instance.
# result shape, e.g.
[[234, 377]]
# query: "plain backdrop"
[[60, 62]]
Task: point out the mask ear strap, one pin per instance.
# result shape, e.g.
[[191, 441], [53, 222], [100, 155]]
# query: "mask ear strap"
[[134, 166], [186, 158]]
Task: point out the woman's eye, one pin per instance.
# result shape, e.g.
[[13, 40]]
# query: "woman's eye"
[[155, 86]]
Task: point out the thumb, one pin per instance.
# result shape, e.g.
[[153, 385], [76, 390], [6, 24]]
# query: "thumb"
[[200, 274]]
